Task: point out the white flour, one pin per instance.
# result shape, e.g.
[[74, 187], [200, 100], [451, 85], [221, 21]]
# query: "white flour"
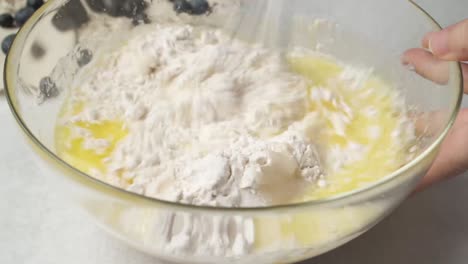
[[211, 120]]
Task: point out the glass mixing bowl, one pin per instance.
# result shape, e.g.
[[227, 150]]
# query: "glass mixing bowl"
[[61, 36]]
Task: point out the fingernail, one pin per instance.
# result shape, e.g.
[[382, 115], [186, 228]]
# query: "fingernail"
[[438, 43], [410, 67], [407, 63], [425, 40]]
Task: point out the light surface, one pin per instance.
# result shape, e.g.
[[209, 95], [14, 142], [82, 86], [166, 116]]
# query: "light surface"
[[37, 227]]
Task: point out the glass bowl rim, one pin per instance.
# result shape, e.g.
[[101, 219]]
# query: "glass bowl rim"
[[108, 189]]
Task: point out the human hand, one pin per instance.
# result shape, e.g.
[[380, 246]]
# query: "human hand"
[[430, 61]]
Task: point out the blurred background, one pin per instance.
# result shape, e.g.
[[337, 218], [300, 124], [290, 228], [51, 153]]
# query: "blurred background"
[[37, 227]]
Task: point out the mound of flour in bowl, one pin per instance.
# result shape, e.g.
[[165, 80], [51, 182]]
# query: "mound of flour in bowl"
[[211, 120]]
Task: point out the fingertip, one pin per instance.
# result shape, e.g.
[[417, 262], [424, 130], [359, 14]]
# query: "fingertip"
[[414, 56], [426, 65], [408, 56]]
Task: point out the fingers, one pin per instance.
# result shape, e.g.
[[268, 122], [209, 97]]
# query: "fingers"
[[431, 62], [450, 43], [453, 156], [431, 68], [426, 65]]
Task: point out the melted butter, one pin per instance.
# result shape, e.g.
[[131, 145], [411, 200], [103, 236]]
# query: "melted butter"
[[72, 149]]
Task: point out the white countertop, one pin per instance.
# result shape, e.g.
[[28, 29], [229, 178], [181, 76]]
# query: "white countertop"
[[37, 227]]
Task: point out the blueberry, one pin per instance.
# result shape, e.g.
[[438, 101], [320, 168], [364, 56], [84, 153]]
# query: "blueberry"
[[131, 8], [140, 18], [117, 8], [37, 50], [112, 7], [96, 5], [182, 6], [7, 42], [192, 7], [71, 16], [199, 7], [7, 20], [23, 15], [83, 57], [36, 4], [48, 88]]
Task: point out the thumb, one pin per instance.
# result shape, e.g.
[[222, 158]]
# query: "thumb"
[[450, 43]]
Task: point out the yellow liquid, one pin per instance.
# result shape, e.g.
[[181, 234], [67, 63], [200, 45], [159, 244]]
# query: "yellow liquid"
[[71, 148]]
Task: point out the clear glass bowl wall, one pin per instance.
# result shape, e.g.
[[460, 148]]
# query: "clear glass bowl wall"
[[365, 32]]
